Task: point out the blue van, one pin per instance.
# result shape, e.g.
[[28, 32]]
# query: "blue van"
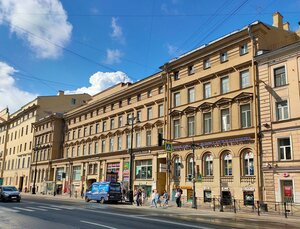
[[104, 192]]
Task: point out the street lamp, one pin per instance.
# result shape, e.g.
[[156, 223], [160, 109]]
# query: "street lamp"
[[131, 123], [35, 170], [194, 203], [70, 177]]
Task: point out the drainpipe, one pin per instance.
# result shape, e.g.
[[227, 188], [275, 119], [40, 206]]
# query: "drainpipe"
[[257, 117]]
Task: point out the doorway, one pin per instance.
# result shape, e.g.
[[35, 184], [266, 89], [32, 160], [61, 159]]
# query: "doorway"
[[21, 182]]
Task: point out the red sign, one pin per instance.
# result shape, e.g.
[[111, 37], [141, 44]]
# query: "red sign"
[[288, 191]]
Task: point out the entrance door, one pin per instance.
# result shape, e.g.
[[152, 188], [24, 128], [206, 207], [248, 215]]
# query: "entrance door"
[[21, 181], [287, 191], [226, 198]]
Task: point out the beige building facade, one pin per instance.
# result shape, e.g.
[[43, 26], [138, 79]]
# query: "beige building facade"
[[279, 91], [19, 142]]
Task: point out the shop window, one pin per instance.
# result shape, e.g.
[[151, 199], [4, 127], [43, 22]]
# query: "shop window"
[[207, 196], [143, 169], [227, 164], [287, 191], [248, 163], [249, 198]]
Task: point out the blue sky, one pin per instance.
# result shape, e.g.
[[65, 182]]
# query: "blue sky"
[[87, 46]]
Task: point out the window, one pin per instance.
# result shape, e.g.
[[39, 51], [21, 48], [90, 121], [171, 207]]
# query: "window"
[[138, 139], [160, 90], [284, 147], [148, 138], [149, 93], [139, 97], [120, 104], [143, 169], [78, 151], [111, 144], [129, 101], [120, 121], [79, 133], [104, 126], [176, 99], [139, 115], [243, 49], [97, 128], [176, 75], [227, 163], [83, 149], [149, 113], [96, 148], [176, 128], [112, 123], [89, 149], [248, 163], [191, 69], [207, 123], [73, 101], [119, 143], [245, 116], [191, 126], [282, 110], [223, 57], [128, 140], [91, 130], [190, 166], [160, 110], [207, 90], [224, 85], [191, 95], [103, 146], [244, 79], [177, 166], [206, 63], [208, 164], [225, 120], [279, 77], [76, 173]]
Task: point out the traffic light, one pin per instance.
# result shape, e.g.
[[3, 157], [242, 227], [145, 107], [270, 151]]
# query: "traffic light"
[[160, 139]]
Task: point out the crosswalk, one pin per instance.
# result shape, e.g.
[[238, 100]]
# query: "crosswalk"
[[40, 208]]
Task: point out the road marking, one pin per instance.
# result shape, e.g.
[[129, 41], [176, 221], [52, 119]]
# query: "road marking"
[[63, 207], [8, 209], [24, 209], [38, 209], [57, 209], [97, 224], [151, 219]]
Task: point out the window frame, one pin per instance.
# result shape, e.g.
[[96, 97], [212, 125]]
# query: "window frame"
[[276, 82], [223, 57], [281, 110], [285, 146], [223, 88], [244, 51]]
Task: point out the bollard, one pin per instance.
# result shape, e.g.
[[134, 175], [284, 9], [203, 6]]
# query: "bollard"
[[285, 210], [221, 205], [258, 213], [234, 207], [214, 204]]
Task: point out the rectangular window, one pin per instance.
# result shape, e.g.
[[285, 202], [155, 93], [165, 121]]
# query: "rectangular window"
[[206, 63], [245, 116], [284, 147], [128, 140], [207, 123], [76, 173], [176, 99], [120, 119], [97, 128], [143, 169], [149, 93], [243, 49], [176, 75], [282, 112], [160, 110], [149, 113], [89, 150], [244, 79], [103, 146], [139, 115], [191, 69], [104, 126], [148, 138], [224, 85], [223, 57], [176, 128], [191, 95], [160, 90], [119, 142], [139, 97], [138, 139], [191, 126], [225, 120], [207, 90], [128, 101], [96, 148], [112, 124], [111, 144], [279, 77]]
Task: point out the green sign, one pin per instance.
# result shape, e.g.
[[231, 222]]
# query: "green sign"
[[199, 178], [168, 147], [1, 181]]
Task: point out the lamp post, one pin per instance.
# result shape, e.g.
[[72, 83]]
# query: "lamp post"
[[70, 177], [194, 203], [35, 170]]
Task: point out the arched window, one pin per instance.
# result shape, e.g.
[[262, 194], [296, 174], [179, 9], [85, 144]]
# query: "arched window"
[[189, 165], [227, 162], [248, 158], [208, 164], [177, 166]]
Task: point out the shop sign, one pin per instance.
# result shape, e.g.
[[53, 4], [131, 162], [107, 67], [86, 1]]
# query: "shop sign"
[[286, 175], [185, 187], [250, 189], [225, 189]]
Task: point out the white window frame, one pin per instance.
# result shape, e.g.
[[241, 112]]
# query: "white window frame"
[[160, 110], [243, 49], [207, 121], [274, 76], [225, 120], [191, 126], [176, 131], [224, 57], [191, 94], [281, 111], [207, 90], [244, 81], [206, 63], [247, 113], [176, 97], [225, 84], [284, 147]]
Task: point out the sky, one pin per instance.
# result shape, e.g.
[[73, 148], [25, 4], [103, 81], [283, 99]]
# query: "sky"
[[81, 46]]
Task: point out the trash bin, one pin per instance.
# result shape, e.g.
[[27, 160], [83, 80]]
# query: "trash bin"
[[264, 207]]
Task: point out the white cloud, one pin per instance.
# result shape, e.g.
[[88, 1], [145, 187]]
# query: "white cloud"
[[172, 50], [101, 81], [11, 96], [113, 56], [117, 32], [166, 9], [36, 21]]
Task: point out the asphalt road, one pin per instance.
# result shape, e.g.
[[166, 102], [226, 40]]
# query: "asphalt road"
[[36, 212]]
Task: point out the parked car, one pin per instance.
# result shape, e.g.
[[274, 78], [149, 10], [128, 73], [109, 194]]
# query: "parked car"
[[104, 192], [9, 193]]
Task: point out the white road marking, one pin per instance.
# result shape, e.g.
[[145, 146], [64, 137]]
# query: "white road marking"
[[63, 207], [97, 224], [8, 209], [57, 209], [24, 209], [38, 209]]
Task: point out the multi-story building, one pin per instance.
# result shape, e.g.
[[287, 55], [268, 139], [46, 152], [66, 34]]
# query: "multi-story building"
[[212, 113], [99, 137], [4, 115], [279, 94], [18, 145]]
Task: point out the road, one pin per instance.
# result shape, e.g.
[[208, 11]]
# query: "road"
[[42, 213]]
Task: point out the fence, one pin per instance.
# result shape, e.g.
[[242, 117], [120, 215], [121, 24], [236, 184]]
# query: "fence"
[[256, 207]]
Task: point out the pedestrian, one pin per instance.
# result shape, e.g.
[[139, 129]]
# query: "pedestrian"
[[178, 196], [135, 195], [165, 199], [82, 192], [143, 197], [157, 199], [153, 200], [138, 197]]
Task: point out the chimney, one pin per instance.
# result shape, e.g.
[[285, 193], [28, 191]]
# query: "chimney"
[[286, 26], [277, 20], [61, 93]]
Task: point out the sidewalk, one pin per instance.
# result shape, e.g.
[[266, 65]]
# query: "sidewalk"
[[200, 214]]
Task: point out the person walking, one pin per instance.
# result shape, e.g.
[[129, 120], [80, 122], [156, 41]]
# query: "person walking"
[[178, 197], [138, 197], [165, 199], [153, 201], [157, 199], [143, 197]]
